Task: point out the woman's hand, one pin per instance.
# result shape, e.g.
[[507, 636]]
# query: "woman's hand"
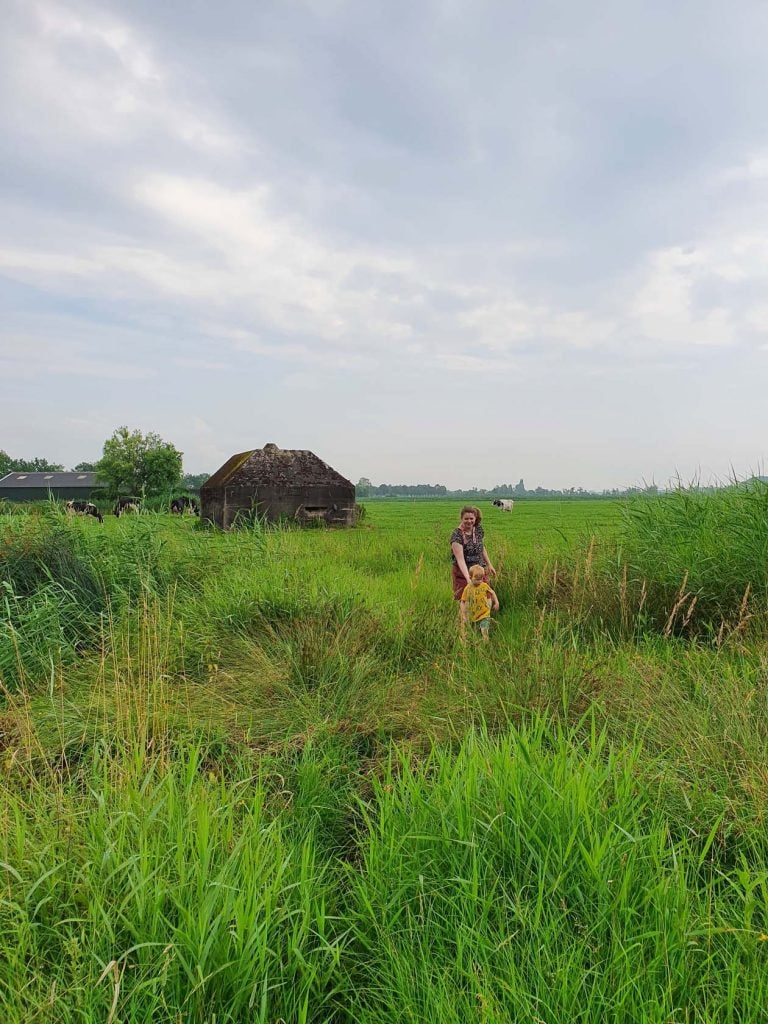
[[487, 562]]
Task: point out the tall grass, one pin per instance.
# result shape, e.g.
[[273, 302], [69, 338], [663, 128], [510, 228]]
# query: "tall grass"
[[148, 891], [51, 597], [533, 878], [691, 563], [257, 777], [704, 556], [530, 876], [61, 578]]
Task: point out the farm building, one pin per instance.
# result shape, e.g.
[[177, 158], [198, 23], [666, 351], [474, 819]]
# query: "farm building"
[[272, 482], [39, 486]]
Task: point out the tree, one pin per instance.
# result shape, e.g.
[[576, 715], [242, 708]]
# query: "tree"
[[363, 488], [41, 466], [136, 463], [37, 465], [193, 481], [84, 467]]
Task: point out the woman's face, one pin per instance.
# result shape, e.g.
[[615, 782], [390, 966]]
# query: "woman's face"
[[467, 521]]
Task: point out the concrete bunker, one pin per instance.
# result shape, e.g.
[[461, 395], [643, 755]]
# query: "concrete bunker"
[[276, 483]]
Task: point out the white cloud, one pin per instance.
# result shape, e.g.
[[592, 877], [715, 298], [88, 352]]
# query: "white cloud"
[[31, 357], [92, 76], [311, 299], [463, 363], [203, 449], [753, 169], [201, 364], [662, 310], [89, 425]]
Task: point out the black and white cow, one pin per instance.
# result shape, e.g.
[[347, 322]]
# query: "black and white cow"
[[126, 505], [80, 507], [184, 504], [505, 504]]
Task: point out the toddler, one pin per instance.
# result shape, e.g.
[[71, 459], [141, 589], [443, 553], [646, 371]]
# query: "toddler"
[[477, 599]]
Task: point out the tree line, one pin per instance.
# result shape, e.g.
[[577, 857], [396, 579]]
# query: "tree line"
[[131, 463], [10, 465], [365, 489]]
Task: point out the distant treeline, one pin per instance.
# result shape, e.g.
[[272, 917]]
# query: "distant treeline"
[[365, 489], [36, 465]]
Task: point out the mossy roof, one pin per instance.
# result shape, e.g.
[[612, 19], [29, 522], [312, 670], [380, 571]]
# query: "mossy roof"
[[273, 465]]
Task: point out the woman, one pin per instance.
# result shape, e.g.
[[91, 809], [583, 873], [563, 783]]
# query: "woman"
[[468, 549]]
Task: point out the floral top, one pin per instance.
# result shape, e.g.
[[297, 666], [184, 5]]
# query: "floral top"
[[473, 548]]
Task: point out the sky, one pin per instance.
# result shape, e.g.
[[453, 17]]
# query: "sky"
[[457, 241]]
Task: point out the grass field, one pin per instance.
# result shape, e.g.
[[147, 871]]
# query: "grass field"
[[257, 777]]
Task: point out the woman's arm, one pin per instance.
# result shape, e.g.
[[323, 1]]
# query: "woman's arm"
[[487, 560], [458, 552]]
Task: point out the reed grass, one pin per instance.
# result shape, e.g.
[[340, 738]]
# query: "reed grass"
[[704, 556], [691, 564]]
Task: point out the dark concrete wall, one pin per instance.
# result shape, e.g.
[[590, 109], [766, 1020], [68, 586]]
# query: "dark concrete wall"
[[222, 505]]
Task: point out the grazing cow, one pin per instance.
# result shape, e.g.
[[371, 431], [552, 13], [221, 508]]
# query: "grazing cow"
[[184, 504], [505, 504], [79, 507], [126, 505]]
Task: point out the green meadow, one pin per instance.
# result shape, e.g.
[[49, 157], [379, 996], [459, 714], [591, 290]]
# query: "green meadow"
[[256, 776]]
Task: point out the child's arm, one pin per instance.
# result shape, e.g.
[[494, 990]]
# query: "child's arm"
[[494, 599]]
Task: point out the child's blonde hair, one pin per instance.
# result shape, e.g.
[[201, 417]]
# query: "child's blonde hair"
[[476, 572]]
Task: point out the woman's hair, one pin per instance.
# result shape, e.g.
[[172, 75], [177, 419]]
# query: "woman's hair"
[[475, 510]]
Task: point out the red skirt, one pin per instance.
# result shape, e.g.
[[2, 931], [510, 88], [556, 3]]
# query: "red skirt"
[[458, 581]]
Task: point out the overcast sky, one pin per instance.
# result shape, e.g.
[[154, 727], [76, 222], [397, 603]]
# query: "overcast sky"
[[445, 241]]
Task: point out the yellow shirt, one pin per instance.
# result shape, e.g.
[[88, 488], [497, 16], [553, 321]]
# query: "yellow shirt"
[[476, 597]]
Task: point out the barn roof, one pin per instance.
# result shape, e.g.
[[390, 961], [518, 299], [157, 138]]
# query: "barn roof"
[[45, 481], [273, 465]]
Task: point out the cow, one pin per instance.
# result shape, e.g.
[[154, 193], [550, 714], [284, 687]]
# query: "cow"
[[505, 504], [184, 504], [79, 507], [126, 505]]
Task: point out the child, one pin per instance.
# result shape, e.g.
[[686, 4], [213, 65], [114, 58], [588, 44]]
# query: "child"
[[477, 600]]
